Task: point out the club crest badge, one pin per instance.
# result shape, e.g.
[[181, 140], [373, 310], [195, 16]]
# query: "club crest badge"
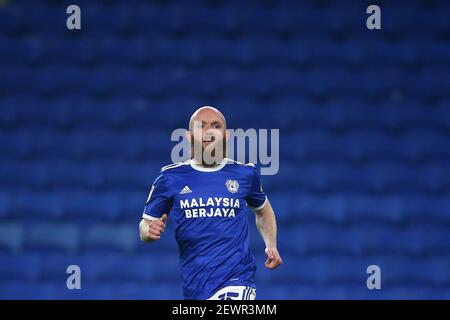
[[232, 186]]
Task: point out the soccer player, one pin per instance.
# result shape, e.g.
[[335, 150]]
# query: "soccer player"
[[207, 201]]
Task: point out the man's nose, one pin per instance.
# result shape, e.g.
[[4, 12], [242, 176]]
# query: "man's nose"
[[207, 134]]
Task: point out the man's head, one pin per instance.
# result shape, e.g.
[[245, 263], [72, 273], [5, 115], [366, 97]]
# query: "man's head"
[[207, 134]]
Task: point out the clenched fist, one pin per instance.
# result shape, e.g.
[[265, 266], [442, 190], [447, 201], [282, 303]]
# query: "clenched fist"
[[273, 258]]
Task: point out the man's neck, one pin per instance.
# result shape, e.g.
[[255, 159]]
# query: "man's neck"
[[203, 164]]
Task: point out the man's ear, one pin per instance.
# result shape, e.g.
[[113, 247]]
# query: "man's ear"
[[188, 136]]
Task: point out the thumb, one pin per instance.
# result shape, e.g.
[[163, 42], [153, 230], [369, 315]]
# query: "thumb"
[[164, 218]]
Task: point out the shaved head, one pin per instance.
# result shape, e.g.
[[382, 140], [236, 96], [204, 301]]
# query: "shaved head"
[[207, 112], [207, 131]]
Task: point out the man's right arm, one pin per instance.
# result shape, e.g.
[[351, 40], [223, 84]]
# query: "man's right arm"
[[154, 217], [151, 230]]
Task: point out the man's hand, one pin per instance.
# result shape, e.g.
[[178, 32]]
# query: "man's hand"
[[267, 227], [152, 230], [156, 228], [273, 258]]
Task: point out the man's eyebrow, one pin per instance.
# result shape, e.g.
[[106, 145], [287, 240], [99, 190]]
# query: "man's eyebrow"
[[211, 122]]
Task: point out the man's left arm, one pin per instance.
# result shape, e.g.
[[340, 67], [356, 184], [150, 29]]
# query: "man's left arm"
[[267, 227]]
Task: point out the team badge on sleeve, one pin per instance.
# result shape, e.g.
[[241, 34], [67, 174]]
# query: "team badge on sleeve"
[[232, 186]]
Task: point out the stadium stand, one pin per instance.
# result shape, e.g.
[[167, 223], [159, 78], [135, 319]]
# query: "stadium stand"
[[364, 119]]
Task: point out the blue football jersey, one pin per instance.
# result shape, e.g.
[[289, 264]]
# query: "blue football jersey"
[[209, 209]]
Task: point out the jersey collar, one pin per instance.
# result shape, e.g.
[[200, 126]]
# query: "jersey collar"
[[206, 169]]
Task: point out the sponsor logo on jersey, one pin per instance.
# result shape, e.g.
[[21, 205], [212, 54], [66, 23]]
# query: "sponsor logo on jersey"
[[210, 207]]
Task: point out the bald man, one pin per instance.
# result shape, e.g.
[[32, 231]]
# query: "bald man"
[[207, 199]]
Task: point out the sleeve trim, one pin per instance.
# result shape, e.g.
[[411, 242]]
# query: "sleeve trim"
[[148, 217], [260, 207]]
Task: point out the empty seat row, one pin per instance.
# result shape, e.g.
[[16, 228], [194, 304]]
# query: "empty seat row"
[[372, 177], [304, 236], [65, 237], [273, 80], [252, 50]]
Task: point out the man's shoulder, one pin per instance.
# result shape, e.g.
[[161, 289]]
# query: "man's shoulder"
[[240, 166], [174, 167]]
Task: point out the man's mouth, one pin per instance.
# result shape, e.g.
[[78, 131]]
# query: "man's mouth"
[[208, 139]]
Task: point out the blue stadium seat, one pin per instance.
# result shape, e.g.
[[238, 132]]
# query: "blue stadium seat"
[[133, 290], [284, 208], [375, 209], [55, 237], [433, 209], [71, 174], [32, 205], [91, 206], [18, 267], [117, 267], [397, 272], [122, 238], [327, 209], [22, 173], [11, 237], [438, 51]]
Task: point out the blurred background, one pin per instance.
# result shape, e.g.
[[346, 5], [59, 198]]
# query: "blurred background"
[[364, 118]]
